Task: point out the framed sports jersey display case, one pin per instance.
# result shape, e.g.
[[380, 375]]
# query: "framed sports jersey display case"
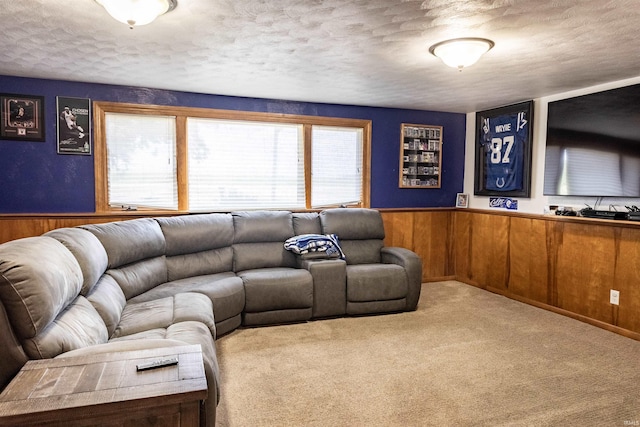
[[503, 151], [420, 156]]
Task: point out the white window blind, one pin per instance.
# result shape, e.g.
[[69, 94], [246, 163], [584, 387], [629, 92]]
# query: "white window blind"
[[244, 165], [336, 166], [141, 160]]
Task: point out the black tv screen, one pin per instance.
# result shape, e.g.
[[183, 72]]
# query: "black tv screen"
[[593, 145]]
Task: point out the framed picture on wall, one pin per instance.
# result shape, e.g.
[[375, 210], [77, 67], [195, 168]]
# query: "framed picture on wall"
[[74, 125], [420, 156], [503, 151], [462, 200], [22, 117]]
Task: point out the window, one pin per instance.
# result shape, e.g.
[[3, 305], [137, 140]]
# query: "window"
[[142, 161], [201, 160], [244, 165], [336, 166]]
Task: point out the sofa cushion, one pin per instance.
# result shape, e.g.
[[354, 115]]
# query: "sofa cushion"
[[88, 251], [196, 233], [109, 301], [250, 256], [262, 226], [39, 277], [362, 251], [164, 312], [79, 325], [141, 276], [225, 290], [306, 223], [376, 282], [361, 233], [129, 241], [200, 263], [352, 223], [269, 289]]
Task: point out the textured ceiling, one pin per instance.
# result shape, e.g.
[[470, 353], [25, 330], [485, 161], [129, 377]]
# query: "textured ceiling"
[[358, 52]]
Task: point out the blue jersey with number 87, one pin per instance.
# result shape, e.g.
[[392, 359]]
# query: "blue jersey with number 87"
[[503, 139]]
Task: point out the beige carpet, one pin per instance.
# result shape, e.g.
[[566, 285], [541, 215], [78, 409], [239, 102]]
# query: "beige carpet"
[[466, 357]]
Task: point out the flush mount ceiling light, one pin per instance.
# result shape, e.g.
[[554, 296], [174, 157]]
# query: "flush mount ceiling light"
[[137, 12], [462, 52]]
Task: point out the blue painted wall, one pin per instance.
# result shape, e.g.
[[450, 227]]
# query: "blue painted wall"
[[35, 179]]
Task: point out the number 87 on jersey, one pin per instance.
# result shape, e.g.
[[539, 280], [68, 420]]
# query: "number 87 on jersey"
[[503, 140]]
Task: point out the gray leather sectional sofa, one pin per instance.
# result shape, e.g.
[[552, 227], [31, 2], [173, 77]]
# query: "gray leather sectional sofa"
[[160, 282]]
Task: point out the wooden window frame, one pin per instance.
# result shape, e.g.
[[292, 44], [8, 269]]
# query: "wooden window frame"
[[101, 108]]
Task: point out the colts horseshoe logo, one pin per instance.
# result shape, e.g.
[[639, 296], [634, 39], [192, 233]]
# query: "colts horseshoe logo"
[[500, 182]]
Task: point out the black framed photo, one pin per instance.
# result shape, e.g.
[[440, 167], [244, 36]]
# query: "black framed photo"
[[74, 125], [503, 151], [22, 117]]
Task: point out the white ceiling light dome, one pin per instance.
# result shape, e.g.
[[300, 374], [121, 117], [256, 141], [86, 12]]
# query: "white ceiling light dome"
[[137, 12], [461, 52]]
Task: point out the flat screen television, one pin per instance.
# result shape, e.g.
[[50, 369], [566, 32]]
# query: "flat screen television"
[[593, 145]]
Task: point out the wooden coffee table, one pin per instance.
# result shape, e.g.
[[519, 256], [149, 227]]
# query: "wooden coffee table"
[[107, 389]]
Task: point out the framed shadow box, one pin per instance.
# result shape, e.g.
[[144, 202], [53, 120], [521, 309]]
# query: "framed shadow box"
[[503, 151], [22, 117], [420, 156]]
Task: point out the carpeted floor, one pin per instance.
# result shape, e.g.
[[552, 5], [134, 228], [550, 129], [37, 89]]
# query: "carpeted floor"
[[466, 357]]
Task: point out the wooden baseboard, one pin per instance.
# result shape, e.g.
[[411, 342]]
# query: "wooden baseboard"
[[438, 279]]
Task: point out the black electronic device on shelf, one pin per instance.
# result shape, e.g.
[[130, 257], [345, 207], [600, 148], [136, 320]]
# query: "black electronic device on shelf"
[[595, 213]]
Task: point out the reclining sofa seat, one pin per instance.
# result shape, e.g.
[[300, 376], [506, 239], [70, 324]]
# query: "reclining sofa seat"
[[276, 290], [199, 258], [379, 279]]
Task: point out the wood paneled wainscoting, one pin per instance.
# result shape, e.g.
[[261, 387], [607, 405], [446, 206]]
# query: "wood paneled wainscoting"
[[27, 225], [427, 232], [563, 264], [567, 265]]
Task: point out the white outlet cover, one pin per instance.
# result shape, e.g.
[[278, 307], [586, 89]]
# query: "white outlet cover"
[[614, 297]]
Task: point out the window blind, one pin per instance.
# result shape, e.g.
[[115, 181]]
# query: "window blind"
[[141, 161], [244, 165], [336, 166]]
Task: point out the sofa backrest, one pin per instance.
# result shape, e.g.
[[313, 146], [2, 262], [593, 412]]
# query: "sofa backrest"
[[360, 233], [306, 223], [258, 240], [40, 283], [197, 244], [135, 251], [87, 250]]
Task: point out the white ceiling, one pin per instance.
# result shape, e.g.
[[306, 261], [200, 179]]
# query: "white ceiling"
[[357, 52]]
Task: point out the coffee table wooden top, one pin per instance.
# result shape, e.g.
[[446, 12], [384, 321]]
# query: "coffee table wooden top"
[[95, 383]]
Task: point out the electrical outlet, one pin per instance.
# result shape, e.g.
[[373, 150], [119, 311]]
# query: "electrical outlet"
[[614, 297]]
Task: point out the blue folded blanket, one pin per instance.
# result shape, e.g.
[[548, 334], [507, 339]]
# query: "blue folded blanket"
[[326, 245]]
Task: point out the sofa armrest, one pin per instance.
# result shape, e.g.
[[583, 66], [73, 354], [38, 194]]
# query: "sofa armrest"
[[412, 264], [329, 286]]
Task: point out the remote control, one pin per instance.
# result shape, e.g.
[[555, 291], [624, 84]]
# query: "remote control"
[[157, 364]]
